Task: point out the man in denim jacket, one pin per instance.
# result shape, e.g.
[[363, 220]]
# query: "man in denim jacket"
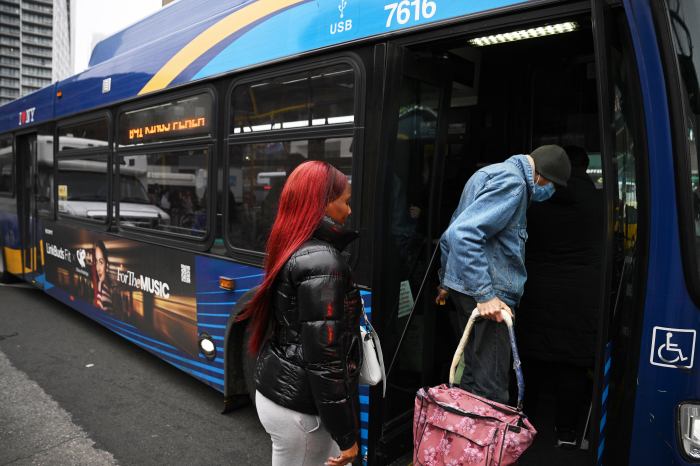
[[483, 257]]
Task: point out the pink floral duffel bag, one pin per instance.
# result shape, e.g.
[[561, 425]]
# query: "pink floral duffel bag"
[[454, 427]]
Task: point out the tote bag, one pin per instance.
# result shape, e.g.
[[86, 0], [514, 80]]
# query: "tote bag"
[[453, 426]]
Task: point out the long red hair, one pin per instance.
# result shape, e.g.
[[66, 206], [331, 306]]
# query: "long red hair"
[[306, 193]]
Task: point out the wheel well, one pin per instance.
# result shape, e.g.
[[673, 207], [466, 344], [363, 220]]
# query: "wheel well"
[[234, 375]]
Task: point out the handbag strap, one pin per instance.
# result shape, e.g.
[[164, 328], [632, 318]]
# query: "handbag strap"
[[377, 345], [508, 320]]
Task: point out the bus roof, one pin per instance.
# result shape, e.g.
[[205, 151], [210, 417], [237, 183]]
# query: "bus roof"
[[191, 40]]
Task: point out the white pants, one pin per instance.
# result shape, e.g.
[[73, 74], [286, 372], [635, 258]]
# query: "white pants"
[[298, 439]]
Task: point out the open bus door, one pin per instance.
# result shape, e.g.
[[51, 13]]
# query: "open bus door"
[[418, 91], [450, 109], [623, 163], [32, 250]]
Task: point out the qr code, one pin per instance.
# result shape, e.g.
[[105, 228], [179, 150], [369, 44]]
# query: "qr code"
[[185, 273]]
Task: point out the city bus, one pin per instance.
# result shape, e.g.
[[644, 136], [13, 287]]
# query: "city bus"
[[191, 119]]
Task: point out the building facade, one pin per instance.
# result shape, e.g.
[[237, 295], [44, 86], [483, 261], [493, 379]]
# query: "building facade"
[[35, 48]]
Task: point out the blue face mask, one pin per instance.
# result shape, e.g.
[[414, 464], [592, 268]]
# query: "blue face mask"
[[542, 193]]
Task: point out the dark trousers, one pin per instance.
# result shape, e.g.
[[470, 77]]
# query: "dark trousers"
[[568, 383], [487, 357]]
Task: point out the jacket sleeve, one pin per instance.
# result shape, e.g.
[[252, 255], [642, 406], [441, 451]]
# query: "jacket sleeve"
[[489, 213], [321, 301], [444, 254]]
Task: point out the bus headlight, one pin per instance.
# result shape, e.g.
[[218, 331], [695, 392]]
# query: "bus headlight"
[[689, 423], [207, 346]]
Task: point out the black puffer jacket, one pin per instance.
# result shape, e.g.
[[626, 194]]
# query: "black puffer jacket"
[[310, 364]]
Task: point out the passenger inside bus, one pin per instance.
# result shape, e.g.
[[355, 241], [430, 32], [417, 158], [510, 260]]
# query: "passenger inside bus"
[[462, 107], [558, 316]]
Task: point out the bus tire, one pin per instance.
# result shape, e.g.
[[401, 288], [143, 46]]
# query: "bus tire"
[[249, 361], [240, 364]]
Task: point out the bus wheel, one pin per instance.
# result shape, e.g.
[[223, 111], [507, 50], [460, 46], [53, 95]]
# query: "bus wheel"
[[249, 361]]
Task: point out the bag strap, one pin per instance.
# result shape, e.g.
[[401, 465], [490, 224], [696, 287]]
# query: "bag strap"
[[377, 345], [415, 303], [508, 320]]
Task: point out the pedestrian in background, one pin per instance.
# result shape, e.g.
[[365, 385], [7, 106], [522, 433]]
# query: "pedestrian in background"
[[558, 323]]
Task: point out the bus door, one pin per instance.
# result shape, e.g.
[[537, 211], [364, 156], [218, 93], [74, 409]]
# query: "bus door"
[[623, 163], [32, 254], [453, 107], [415, 128]]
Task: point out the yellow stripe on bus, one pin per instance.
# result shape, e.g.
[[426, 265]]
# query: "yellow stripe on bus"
[[212, 36]]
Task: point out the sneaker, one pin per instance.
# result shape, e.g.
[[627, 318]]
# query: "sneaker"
[[566, 439]]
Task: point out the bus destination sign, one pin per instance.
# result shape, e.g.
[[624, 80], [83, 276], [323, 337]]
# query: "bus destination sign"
[[183, 118]]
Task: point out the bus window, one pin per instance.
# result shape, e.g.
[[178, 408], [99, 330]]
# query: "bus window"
[[83, 135], [165, 191], [7, 166], [257, 173], [317, 97], [82, 183], [258, 168], [685, 27]]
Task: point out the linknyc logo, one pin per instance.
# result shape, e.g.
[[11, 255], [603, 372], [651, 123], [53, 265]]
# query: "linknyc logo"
[[27, 116]]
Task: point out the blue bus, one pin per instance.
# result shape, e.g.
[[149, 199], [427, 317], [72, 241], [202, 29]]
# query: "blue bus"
[[141, 190]]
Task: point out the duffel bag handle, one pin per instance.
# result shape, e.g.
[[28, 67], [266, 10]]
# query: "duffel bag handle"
[[508, 320]]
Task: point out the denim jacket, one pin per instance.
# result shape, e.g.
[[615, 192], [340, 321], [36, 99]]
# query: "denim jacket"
[[483, 248]]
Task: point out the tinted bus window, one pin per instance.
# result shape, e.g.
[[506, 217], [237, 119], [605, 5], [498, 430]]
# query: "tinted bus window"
[[257, 173], [685, 27], [179, 119], [7, 166], [319, 97], [82, 185], [165, 191], [83, 135]]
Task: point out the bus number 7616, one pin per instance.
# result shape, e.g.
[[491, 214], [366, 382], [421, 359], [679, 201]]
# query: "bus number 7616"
[[422, 9]]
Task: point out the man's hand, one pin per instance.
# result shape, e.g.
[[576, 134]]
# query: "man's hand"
[[441, 298], [491, 309], [345, 457]]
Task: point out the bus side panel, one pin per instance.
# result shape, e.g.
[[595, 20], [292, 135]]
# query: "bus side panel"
[[143, 292], [668, 308]]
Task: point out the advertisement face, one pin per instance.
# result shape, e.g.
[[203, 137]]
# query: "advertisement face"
[[135, 283]]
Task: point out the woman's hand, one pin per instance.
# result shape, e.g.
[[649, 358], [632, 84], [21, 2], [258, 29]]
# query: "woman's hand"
[[345, 457]]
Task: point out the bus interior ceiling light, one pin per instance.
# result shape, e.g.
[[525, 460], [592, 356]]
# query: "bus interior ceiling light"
[[522, 34]]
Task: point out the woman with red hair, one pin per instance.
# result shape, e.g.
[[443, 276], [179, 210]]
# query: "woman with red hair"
[[307, 370]]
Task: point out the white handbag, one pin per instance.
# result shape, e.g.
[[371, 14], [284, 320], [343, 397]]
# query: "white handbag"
[[372, 370]]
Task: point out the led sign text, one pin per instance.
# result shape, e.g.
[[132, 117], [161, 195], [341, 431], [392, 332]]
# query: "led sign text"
[[165, 128]]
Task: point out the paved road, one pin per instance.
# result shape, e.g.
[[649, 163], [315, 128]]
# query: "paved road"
[[72, 392]]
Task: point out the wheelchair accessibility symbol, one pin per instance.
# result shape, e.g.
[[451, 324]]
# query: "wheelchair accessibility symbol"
[[673, 347]]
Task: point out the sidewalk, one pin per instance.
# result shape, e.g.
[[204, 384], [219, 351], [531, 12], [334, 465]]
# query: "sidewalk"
[[35, 430]]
